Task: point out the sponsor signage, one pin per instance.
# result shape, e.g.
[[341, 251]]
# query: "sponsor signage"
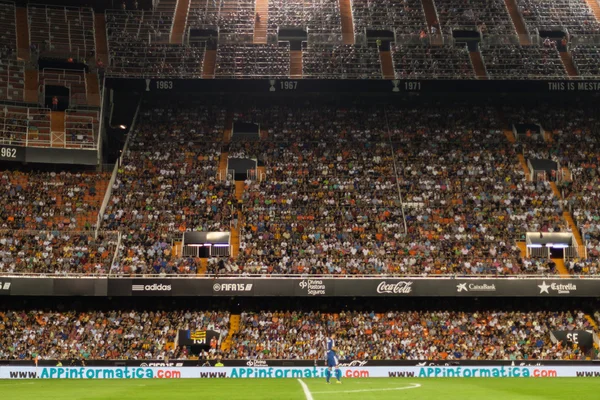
[[141, 287], [382, 86], [5, 285], [475, 287], [253, 371], [308, 287]]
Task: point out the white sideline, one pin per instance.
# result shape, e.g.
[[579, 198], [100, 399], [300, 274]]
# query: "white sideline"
[[414, 386], [306, 391]]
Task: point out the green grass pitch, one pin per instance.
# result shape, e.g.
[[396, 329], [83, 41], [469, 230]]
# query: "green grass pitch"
[[263, 389]]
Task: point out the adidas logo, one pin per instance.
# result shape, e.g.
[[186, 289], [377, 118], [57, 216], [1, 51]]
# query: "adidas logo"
[[156, 287]]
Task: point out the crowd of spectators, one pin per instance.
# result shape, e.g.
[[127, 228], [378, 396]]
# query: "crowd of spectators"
[[119, 335], [466, 197], [292, 335], [574, 15], [168, 184], [316, 16], [587, 60], [67, 31], [251, 60], [406, 17], [341, 61], [235, 18], [139, 45], [432, 62], [490, 17], [50, 200], [56, 252], [439, 335], [518, 62]]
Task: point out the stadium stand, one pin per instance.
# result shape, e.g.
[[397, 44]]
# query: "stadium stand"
[[440, 335], [168, 184], [139, 46], [587, 60], [432, 62], [62, 31], [405, 17], [345, 61], [12, 79], [50, 200], [519, 62], [321, 17], [416, 335], [109, 334], [250, 60], [574, 15], [489, 17], [8, 31]]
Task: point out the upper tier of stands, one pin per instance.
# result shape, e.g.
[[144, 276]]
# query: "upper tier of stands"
[[405, 17], [64, 31], [341, 61], [490, 17], [316, 16], [522, 62], [8, 31], [575, 15], [432, 62]]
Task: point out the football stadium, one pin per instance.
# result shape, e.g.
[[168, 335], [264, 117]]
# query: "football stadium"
[[299, 199]]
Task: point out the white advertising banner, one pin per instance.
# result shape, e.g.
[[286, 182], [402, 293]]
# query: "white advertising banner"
[[491, 371]]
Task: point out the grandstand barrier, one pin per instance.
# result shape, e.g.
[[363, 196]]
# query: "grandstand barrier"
[[481, 371], [254, 84], [313, 286], [260, 363], [48, 155]]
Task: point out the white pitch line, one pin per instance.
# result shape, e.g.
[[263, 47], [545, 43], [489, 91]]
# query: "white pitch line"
[[307, 393], [414, 386]]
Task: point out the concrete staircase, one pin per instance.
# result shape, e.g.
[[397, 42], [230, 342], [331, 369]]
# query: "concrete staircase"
[[203, 267], [179, 22], [93, 90], [569, 218], [101, 44], [524, 166], [31, 86], [234, 327], [296, 64], [510, 136], [261, 23], [235, 236], [523, 247], [518, 22], [592, 321], [210, 62], [567, 61], [555, 190], [595, 6], [223, 164], [57, 128], [430, 13], [347, 22], [387, 64], [560, 267], [22, 34], [478, 65]]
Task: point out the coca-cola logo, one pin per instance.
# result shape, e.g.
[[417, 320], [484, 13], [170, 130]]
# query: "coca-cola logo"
[[401, 287]]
